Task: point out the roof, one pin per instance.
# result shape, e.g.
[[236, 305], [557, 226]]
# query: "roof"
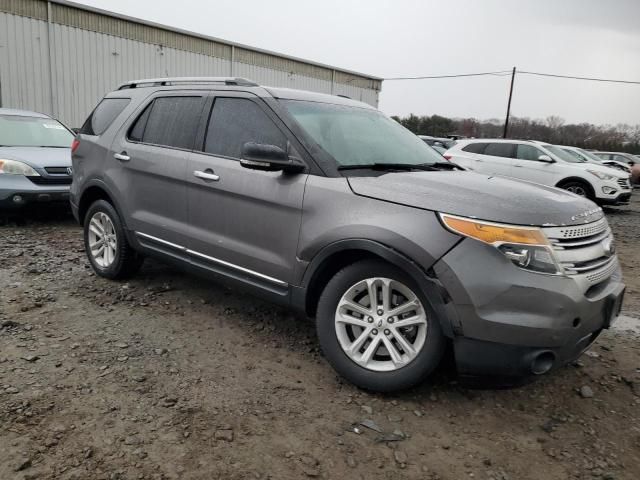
[[22, 113], [207, 37], [293, 94]]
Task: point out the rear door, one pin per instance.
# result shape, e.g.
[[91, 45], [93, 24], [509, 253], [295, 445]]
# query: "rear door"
[[526, 166], [498, 158], [469, 156], [151, 155], [243, 222]]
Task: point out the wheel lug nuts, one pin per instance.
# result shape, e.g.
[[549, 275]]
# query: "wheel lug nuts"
[[374, 332], [391, 319], [380, 312], [370, 319], [387, 331]]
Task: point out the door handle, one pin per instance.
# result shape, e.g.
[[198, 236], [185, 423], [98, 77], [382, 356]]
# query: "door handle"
[[207, 175], [518, 166], [123, 157]]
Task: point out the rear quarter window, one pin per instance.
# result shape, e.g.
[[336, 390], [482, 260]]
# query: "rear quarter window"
[[104, 115]]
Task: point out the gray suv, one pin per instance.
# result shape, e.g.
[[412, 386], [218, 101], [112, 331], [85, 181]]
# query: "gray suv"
[[325, 205]]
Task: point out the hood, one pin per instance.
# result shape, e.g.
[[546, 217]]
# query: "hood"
[[598, 167], [469, 194], [38, 157]]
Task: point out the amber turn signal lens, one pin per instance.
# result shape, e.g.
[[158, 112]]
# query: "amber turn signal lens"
[[494, 233]]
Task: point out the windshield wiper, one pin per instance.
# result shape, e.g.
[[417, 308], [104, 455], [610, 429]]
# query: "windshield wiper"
[[447, 166], [391, 166]]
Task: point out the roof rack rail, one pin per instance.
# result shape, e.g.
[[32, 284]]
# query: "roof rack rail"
[[161, 82]]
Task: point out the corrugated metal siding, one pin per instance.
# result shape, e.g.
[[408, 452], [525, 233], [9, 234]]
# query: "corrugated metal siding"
[[92, 53], [25, 8], [90, 64], [24, 63], [86, 20]]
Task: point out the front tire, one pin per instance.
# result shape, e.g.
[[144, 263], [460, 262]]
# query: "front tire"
[[582, 189], [106, 244], [377, 329]]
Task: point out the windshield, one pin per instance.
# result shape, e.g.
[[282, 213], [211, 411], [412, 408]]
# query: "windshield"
[[359, 136], [563, 155], [590, 155], [18, 131]]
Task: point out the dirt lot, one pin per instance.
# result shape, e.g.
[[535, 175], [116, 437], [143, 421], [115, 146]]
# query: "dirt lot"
[[168, 376]]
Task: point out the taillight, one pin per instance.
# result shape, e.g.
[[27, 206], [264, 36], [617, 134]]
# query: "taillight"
[[447, 157], [74, 145]]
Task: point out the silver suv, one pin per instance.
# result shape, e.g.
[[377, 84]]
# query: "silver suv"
[[324, 204]]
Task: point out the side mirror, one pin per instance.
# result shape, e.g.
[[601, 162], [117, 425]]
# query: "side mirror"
[[260, 156], [546, 159]]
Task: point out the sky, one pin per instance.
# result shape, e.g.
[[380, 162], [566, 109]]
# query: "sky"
[[397, 38]]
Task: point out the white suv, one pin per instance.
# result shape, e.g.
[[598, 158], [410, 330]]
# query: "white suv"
[[545, 164]]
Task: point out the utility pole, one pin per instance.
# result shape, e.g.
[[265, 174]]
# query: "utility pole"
[[506, 121]]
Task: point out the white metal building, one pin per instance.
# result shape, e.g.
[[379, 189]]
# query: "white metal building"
[[60, 58]]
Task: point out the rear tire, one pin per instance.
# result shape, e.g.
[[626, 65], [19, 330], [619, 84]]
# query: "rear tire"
[[399, 350], [578, 187], [106, 243]]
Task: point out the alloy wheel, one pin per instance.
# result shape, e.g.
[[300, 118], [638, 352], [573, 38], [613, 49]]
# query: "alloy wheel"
[[381, 324], [103, 240]]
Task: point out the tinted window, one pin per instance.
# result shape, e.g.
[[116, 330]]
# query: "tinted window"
[[475, 147], [104, 115], [173, 122], [137, 131], [500, 150], [527, 152], [235, 121]]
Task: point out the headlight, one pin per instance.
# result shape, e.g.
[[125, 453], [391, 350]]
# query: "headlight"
[[526, 247], [13, 167], [602, 176]]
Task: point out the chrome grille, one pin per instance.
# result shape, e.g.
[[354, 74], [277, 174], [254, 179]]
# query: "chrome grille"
[[584, 249]]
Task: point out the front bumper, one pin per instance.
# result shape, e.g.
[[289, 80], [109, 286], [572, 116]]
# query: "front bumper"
[[17, 192], [513, 323], [617, 194]]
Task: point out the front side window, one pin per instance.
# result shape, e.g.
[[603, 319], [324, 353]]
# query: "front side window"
[[23, 131], [104, 115], [500, 150], [236, 121], [527, 152], [359, 136]]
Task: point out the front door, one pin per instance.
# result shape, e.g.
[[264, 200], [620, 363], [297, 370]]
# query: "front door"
[[243, 222], [527, 166]]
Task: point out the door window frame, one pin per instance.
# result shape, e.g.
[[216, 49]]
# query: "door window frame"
[[511, 144]]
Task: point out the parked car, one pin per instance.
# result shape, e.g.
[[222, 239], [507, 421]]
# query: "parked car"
[[35, 159], [631, 160], [586, 156], [326, 205], [543, 163], [447, 143]]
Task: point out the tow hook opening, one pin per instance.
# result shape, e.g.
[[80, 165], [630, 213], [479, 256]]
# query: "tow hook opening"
[[542, 362]]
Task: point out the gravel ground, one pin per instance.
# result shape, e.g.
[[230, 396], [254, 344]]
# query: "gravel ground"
[[168, 376]]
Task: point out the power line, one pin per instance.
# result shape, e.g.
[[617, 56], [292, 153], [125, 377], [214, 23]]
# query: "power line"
[[592, 79], [503, 73], [428, 77]]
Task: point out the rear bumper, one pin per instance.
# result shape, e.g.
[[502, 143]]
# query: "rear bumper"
[[513, 323]]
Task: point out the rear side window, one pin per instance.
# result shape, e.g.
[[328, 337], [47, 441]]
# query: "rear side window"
[[500, 150], [104, 115], [527, 152], [475, 147], [168, 121], [235, 121]]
